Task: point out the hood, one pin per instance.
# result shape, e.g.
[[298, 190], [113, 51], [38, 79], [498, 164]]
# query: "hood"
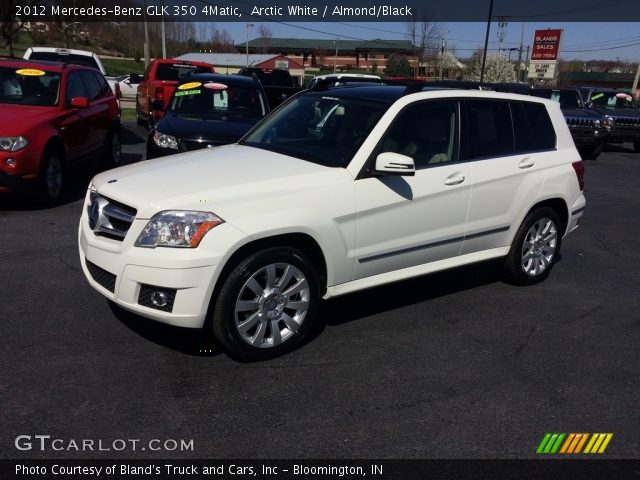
[[212, 128], [617, 112], [581, 113], [21, 119], [212, 178]]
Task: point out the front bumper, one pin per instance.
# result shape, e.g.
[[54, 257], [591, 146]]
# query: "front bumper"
[[23, 177], [125, 274]]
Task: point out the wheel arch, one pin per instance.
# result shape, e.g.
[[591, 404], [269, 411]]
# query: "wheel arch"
[[558, 205]]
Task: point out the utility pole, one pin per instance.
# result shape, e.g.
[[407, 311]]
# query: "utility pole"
[[635, 81], [520, 52], [442, 50], [147, 57], [502, 31], [335, 59], [486, 41], [162, 33], [246, 45]]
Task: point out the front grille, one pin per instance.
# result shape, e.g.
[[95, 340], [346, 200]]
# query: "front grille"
[[626, 121], [580, 122], [146, 293], [101, 276], [109, 218], [190, 145]]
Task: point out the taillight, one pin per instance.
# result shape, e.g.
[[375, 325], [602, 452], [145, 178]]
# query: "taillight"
[[579, 168], [160, 93]]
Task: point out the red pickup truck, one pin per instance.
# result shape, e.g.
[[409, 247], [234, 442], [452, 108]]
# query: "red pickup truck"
[[158, 83]]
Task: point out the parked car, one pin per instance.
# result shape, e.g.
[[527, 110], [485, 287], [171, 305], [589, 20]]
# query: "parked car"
[[341, 78], [278, 84], [589, 128], [72, 55], [128, 85], [158, 83], [52, 117], [338, 190], [621, 110], [205, 111]]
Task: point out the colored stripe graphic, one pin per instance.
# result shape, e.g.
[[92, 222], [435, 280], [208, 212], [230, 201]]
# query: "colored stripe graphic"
[[553, 443]]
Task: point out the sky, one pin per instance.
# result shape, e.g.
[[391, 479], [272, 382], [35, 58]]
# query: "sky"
[[585, 41]]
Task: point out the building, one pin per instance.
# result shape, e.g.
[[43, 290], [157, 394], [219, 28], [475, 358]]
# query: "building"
[[370, 55], [232, 62]]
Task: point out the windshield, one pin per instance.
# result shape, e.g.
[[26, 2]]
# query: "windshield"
[[86, 60], [176, 72], [322, 129], [612, 99], [566, 98], [212, 98], [29, 86]]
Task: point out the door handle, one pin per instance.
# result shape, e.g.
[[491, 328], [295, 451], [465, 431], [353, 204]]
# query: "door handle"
[[455, 179], [526, 163]]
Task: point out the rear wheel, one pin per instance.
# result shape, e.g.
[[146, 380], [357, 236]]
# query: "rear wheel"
[[267, 304], [139, 118], [535, 248], [592, 152]]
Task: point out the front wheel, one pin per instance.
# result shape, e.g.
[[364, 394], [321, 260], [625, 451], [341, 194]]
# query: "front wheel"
[[51, 177], [535, 248], [267, 304], [113, 150]]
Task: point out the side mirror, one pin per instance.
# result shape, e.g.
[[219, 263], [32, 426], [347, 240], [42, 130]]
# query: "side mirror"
[[79, 102], [157, 105], [391, 163]]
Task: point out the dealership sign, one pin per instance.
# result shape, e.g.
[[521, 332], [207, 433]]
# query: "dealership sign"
[[544, 55]]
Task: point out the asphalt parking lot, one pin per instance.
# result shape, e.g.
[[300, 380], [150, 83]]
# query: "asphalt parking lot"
[[455, 365]]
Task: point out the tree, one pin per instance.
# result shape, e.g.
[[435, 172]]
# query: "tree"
[[10, 26], [265, 34], [497, 69], [424, 35], [397, 66], [222, 42]]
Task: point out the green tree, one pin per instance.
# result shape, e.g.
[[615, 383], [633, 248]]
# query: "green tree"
[[398, 66]]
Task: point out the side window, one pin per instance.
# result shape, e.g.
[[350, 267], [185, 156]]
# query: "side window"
[[105, 89], [544, 134], [91, 86], [75, 87], [426, 132], [523, 133], [490, 129]]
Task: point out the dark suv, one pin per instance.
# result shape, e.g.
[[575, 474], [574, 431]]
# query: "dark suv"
[[53, 116], [589, 128], [620, 107]]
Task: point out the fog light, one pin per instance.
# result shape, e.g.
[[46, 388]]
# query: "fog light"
[[159, 299], [10, 162]]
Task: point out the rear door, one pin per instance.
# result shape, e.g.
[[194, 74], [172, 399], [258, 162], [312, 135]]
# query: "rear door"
[[507, 144]]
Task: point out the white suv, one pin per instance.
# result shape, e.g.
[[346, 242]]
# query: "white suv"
[[340, 189]]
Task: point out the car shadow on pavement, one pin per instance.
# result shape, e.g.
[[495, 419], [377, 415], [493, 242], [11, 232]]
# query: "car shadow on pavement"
[[619, 147], [344, 309], [190, 341]]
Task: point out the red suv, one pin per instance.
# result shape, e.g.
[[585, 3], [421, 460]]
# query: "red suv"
[[53, 116]]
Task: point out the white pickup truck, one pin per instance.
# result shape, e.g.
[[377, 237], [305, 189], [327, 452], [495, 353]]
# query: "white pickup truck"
[[70, 55]]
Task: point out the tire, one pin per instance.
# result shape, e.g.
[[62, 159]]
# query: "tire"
[[140, 121], [51, 177], [113, 150], [535, 248], [267, 304], [636, 146], [592, 153]]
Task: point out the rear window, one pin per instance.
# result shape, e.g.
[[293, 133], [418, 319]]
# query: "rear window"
[[543, 133], [491, 133], [66, 58], [177, 72]]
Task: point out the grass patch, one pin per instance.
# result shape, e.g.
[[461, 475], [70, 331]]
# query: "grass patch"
[[128, 114], [118, 66]]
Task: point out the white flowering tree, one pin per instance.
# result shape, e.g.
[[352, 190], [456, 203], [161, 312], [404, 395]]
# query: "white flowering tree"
[[497, 69]]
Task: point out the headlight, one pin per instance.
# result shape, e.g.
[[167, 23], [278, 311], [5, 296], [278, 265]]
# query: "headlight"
[[13, 144], [177, 228], [164, 140], [596, 123]]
